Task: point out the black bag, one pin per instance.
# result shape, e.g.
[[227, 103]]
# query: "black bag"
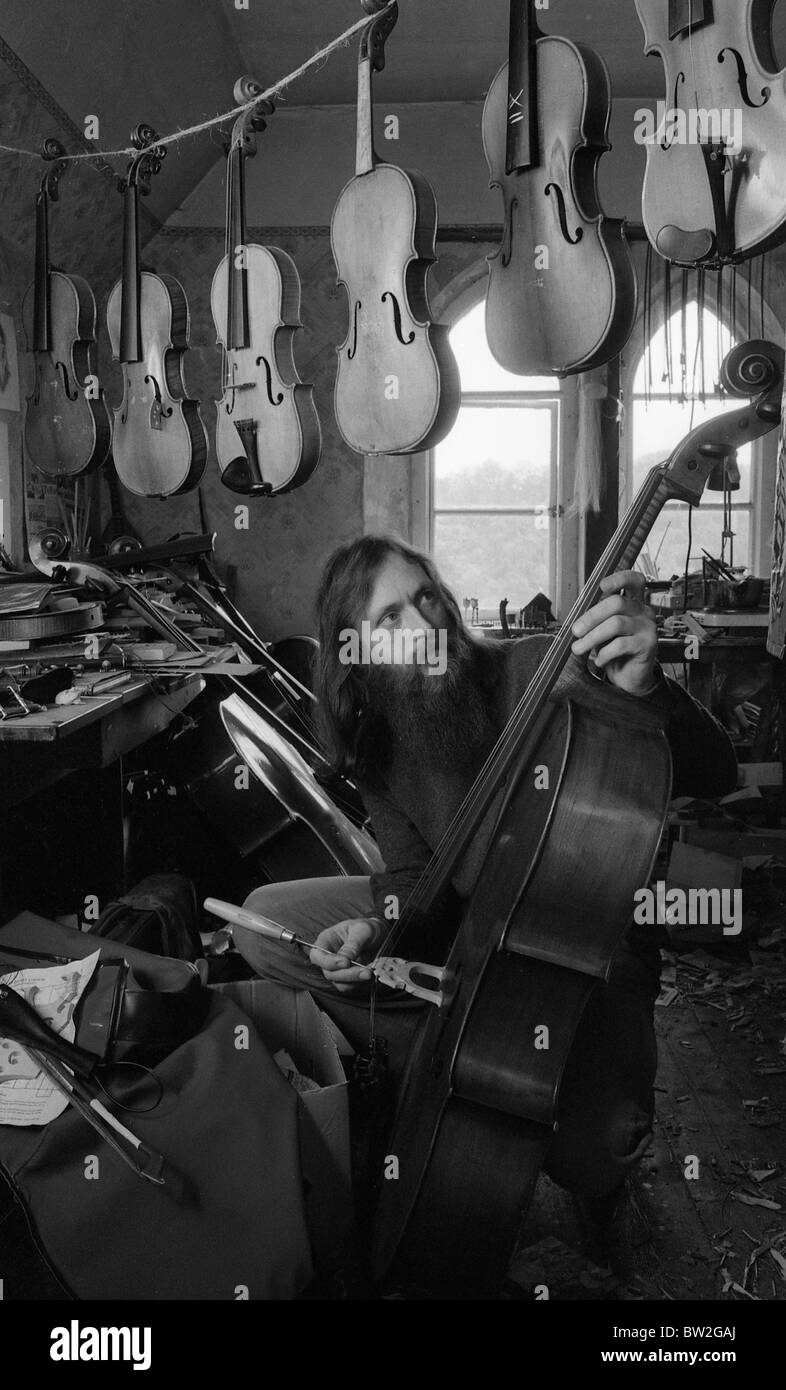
[[159, 916]]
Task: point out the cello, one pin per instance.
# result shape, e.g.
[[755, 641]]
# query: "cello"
[[268, 437], [562, 287], [160, 445], [716, 166], [548, 910], [397, 385], [68, 430]]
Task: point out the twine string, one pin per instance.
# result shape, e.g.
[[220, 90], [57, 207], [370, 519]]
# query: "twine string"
[[189, 131]]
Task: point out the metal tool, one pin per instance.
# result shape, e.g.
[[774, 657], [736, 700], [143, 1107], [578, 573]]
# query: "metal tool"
[[389, 970]]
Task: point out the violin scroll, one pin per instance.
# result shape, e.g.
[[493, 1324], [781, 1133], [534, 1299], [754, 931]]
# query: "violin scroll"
[[375, 36]]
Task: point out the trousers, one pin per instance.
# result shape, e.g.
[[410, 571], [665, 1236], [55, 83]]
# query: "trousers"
[[606, 1101]]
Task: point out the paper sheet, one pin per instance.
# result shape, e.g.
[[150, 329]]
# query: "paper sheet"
[[27, 1096]]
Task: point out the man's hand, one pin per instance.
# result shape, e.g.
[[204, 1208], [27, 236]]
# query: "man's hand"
[[356, 938], [619, 634]]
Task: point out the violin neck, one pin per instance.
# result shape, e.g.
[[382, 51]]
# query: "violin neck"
[[130, 307], [521, 150], [237, 335], [42, 318], [687, 15], [365, 155]]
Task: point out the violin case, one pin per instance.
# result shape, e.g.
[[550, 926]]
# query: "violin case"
[[229, 1221]]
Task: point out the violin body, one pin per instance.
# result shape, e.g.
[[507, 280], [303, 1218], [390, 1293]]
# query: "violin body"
[[577, 310], [159, 444], [267, 428], [706, 201], [397, 387], [477, 1109], [67, 432]]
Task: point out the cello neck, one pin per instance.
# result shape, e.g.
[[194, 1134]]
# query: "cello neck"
[[42, 317], [130, 308], [237, 335]]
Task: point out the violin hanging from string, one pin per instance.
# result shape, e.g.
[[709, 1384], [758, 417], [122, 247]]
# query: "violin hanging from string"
[[160, 446], [68, 429], [548, 910], [562, 286], [268, 437], [397, 386], [715, 184]]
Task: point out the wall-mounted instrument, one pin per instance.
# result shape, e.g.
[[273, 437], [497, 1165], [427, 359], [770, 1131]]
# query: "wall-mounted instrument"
[[268, 438], [548, 910], [714, 190], [159, 445], [562, 287], [68, 430], [397, 387]]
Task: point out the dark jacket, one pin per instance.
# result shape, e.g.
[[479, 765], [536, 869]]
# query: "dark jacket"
[[411, 806]]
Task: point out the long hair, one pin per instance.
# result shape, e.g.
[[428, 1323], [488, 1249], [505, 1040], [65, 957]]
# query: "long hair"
[[344, 723]]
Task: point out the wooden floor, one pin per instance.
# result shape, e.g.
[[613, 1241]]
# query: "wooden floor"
[[705, 1216]]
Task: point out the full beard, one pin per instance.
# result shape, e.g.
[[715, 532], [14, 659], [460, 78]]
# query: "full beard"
[[447, 717]]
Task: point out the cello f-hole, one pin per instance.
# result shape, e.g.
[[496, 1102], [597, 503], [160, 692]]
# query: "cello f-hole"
[[274, 400], [742, 79], [397, 319], [562, 215]]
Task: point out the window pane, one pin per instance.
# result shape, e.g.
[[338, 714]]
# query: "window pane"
[[478, 369], [498, 456], [492, 557], [707, 528], [660, 426], [667, 349], [657, 429]]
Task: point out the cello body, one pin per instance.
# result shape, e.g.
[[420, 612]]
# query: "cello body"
[[577, 311], [67, 427], [706, 202], [566, 856], [397, 385], [539, 934]]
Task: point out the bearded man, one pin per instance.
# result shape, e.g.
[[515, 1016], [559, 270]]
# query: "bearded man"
[[413, 740]]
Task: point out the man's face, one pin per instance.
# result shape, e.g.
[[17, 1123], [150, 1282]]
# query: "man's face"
[[404, 600]]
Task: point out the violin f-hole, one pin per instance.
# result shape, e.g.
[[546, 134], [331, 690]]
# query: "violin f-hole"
[[507, 241], [61, 367], [397, 319], [158, 411], [269, 383], [742, 79], [562, 215], [353, 349], [667, 144]]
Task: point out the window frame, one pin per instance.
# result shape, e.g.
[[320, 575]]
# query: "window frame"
[[566, 548], [764, 451]]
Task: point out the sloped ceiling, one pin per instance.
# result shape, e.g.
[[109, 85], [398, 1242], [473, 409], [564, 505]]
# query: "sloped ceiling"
[[174, 63]]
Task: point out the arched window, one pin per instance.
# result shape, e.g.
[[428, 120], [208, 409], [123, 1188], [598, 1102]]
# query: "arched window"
[[673, 391], [493, 510]]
